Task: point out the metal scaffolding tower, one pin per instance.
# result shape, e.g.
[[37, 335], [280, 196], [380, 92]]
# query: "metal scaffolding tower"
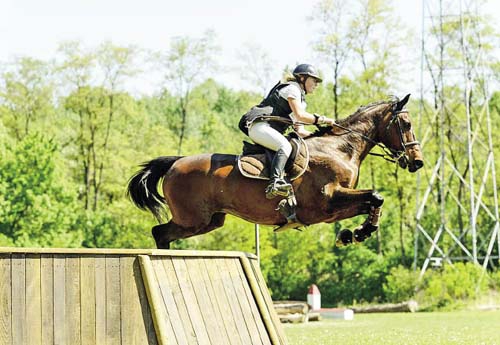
[[457, 216]]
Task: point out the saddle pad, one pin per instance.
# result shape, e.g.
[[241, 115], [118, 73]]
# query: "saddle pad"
[[254, 166]]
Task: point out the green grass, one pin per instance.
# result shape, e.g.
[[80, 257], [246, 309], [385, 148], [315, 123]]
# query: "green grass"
[[439, 328]]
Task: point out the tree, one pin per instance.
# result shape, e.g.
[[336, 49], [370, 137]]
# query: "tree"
[[26, 94], [186, 64], [335, 40], [98, 109], [258, 66], [38, 207]]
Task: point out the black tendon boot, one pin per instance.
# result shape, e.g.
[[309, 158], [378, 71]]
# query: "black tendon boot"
[[278, 185]]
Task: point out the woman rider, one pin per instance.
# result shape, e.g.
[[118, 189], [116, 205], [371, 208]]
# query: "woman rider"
[[286, 100]]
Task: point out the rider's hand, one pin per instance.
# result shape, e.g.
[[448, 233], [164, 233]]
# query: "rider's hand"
[[323, 120], [329, 122]]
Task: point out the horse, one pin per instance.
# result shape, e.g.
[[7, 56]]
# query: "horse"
[[199, 190]]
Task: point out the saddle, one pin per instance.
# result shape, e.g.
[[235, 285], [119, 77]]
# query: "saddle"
[[255, 160]]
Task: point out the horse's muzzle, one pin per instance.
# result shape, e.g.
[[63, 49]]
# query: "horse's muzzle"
[[415, 158], [415, 165]]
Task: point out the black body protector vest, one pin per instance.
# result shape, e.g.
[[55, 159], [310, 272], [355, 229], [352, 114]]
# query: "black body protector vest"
[[273, 105]]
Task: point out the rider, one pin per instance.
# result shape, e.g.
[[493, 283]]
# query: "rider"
[[286, 100]]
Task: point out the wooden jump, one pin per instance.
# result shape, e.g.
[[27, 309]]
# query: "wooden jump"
[[106, 296]]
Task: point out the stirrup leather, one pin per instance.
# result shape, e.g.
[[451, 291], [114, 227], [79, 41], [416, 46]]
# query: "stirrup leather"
[[278, 187]]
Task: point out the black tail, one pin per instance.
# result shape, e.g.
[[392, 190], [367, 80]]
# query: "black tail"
[[143, 186]]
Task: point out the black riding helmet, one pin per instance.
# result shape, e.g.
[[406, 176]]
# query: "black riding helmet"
[[308, 70]]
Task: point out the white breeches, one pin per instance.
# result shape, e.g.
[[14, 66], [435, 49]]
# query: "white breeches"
[[262, 133]]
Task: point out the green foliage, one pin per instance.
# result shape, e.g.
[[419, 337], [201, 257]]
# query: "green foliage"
[[495, 280], [401, 284], [361, 276], [453, 285], [25, 97], [288, 277], [38, 208]]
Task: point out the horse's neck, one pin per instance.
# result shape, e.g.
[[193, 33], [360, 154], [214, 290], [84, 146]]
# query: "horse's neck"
[[360, 131], [350, 144]]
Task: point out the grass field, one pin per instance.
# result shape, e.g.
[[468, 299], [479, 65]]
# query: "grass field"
[[464, 328]]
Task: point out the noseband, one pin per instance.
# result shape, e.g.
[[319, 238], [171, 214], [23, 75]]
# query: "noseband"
[[398, 155]]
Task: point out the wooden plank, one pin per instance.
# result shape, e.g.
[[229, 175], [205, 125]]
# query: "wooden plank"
[[108, 251], [147, 318], [192, 306], [133, 329], [175, 329], [18, 299], [210, 317], [154, 299], [47, 296], [33, 299], [233, 266], [179, 300], [59, 299], [5, 299], [232, 296], [129, 323], [113, 316], [251, 299], [268, 303], [72, 304], [218, 295], [100, 299], [221, 318], [88, 300]]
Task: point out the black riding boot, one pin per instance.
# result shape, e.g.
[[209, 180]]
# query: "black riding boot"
[[278, 185]]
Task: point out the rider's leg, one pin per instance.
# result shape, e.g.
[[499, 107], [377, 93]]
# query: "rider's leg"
[[262, 133]]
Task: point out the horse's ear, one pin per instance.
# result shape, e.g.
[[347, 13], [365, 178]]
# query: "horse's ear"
[[402, 102]]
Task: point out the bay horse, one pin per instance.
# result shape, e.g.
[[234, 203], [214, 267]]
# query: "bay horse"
[[201, 189]]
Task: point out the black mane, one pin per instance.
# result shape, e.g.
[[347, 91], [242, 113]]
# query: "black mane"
[[322, 130]]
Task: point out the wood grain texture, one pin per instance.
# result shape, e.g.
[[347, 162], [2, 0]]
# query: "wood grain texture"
[[88, 300], [5, 299], [19, 326], [72, 303], [47, 296], [91, 297]]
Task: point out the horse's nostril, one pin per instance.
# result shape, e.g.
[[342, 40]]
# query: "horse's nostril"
[[418, 164]]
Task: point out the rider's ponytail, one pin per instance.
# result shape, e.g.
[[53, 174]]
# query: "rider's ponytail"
[[288, 76]]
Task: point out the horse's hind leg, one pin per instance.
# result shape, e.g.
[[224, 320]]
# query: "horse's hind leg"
[[216, 221], [169, 232]]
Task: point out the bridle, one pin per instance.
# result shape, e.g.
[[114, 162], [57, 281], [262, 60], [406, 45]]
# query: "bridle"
[[398, 155], [391, 155]]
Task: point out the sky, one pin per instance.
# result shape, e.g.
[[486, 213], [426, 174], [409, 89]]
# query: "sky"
[[35, 27]]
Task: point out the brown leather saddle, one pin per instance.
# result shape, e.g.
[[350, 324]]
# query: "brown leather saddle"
[[255, 160]]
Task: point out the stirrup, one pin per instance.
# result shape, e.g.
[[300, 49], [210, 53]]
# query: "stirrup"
[[287, 208], [278, 187]]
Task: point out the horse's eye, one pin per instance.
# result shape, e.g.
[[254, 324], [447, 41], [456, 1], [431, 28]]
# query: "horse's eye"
[[407, 125]]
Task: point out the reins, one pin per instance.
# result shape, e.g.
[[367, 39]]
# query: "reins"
[[389, 155]]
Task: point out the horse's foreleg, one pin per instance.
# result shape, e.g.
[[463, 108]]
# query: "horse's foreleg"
[[370, 225], [373, 201]]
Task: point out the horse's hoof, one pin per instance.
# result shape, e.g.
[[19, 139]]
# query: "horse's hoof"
[[163, 245], [158, 232], [344, 238], [360, 235]]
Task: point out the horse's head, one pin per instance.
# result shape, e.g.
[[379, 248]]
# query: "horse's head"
[[396, 133]]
